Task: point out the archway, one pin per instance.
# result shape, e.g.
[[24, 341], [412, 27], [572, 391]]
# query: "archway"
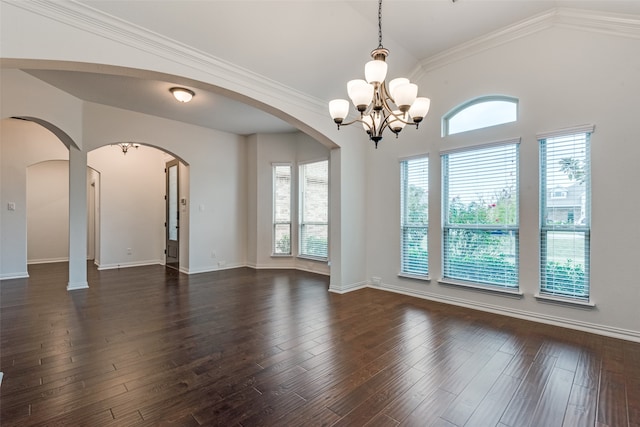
[[17, 154]]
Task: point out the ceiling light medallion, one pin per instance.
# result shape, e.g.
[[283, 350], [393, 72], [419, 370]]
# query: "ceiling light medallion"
[[182, 94], [381, 106]]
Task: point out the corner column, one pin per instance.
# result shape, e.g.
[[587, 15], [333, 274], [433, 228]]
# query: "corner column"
[[77, 219]]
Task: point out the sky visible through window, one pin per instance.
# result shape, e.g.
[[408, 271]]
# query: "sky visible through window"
[[482, 115]]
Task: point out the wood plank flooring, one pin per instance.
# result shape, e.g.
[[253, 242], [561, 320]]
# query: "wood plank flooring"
[[149, 346]]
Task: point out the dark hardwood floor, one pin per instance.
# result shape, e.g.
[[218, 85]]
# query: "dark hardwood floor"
[[150, 346]]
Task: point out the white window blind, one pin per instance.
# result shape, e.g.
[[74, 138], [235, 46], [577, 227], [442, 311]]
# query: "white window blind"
[[282, 209], [414, 195], [565, 221], [314, 209], [480, 201]]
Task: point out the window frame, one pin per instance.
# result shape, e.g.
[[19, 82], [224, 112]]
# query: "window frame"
[[513, 288], [404, 221], [544, 291], [475, 101], [275, 222], [301, 210]]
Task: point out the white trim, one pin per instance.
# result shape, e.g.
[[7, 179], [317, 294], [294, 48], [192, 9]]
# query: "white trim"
[[566, 131], [319, 259], [349, 288], [515, 140], [77, 286], [621, 25], [414, 157], [129, 264], [556, 299], [488, 288], [11, 276], [414, 277], [94, 21], [609, 331], [310, 270], [212, 269], [47, 260]]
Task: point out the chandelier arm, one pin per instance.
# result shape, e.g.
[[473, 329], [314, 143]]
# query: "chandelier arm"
[[401, 119], [385, 98], [357, 120]]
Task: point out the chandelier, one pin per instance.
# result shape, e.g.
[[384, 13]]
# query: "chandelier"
[[380, 106], [124, 146]]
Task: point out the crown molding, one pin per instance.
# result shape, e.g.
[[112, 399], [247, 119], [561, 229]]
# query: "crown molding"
[[585, 20], [91, 20]]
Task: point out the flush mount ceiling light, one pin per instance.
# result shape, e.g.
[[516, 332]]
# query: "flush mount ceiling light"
[[182, 94], [381, 106], [124, 146]]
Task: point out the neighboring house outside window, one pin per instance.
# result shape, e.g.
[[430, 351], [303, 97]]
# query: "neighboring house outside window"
[[565, 222], [281, 209], [414, 194], [314, 210]]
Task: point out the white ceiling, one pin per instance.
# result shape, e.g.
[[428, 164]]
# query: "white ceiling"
[[313, 46]]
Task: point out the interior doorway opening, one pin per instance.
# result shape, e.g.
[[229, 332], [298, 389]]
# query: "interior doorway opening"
[[172, 223]]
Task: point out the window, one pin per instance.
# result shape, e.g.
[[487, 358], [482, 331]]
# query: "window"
[[282, 209], [480, 216], [565, 221], [414, 194], [314, 209], [480, 113]]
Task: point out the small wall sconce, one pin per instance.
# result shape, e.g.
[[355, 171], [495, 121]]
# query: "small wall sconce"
[[182, 94]]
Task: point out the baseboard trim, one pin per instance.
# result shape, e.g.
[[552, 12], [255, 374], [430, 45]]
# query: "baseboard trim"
[[129, 264], [47, 260], [349, 288], [77, 285], [11, 276], [608, 331], [212, 269]]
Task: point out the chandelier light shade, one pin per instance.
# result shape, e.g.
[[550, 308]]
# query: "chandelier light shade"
[[380, 106], [182, 94]]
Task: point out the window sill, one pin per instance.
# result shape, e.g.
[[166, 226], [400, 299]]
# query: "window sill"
[[313, 258], [281, 256], [554, 299], [414, 277], [512, 293]]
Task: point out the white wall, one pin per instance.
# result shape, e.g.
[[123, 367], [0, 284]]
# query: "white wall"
[[266, 149], [216, 198], [48, 212], [21, 144], [132, 205], [562, 78]]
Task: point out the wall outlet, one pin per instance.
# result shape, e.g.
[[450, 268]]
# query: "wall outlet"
[[213, 254], [376, 281], [129, 251], [222, 263]]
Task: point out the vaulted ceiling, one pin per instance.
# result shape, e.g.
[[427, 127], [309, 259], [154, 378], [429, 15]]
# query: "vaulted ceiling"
[[311, 46]]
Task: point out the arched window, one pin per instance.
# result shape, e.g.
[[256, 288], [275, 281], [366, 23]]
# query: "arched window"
[[480, 113]]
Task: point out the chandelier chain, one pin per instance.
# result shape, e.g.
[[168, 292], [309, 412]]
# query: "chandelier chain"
[[380, 24]]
